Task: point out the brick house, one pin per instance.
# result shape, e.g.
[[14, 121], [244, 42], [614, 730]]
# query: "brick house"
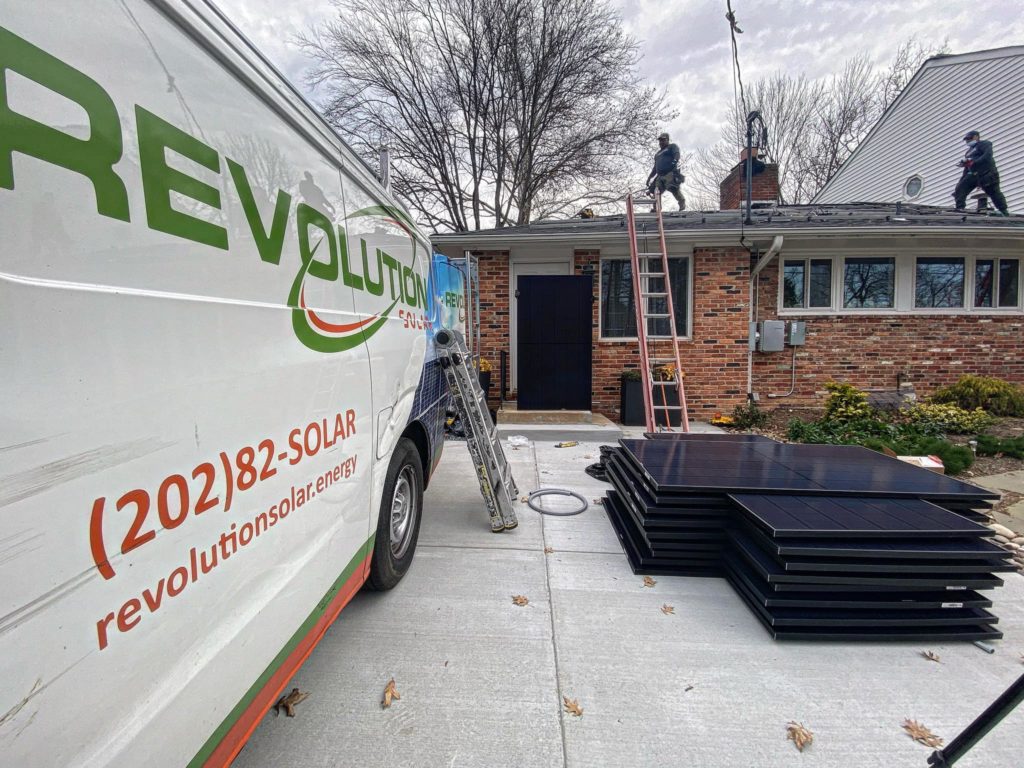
[[891, 294]]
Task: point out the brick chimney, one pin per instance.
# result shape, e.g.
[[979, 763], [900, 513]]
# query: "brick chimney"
[[732, 192]]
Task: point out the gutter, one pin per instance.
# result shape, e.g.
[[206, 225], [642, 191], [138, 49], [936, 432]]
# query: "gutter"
[[772, 252]]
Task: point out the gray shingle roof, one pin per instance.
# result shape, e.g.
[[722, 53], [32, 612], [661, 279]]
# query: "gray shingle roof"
[[879, 216]]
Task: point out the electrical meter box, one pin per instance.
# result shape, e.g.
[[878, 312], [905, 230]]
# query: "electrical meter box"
[[796, 333], [771, 336]]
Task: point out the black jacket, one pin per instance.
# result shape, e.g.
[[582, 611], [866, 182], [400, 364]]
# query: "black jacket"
[[980, 159], [665, 161]]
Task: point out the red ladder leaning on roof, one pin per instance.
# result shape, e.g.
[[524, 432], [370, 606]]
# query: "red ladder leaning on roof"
[[652, 267]]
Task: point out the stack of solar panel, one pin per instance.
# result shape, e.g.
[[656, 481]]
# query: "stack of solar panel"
[[819, 567], [671, 533], [821, 542]]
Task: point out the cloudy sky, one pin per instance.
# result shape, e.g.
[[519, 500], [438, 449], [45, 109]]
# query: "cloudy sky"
[[686, 42]]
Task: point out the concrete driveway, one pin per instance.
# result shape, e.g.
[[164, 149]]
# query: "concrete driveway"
[[482, 680]]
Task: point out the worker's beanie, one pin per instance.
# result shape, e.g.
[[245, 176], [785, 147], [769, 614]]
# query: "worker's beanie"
[[971, 135]]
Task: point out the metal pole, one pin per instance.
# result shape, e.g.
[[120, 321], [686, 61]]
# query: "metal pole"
[[975, 732], [750, 164]]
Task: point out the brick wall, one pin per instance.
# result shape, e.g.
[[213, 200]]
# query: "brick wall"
[[714, 361], [494, 315], [733, 189], [928, 351]]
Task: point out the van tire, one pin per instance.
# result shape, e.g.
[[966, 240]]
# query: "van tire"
[[398, 524]]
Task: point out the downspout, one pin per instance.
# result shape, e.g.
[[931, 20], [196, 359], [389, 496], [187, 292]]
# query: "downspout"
[[772, 252]]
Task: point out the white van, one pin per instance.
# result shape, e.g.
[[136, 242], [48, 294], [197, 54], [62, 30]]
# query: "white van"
[[217, 415]]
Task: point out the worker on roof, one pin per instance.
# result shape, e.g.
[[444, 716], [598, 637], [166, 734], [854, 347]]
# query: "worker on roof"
[[666, 174], [979, 171]]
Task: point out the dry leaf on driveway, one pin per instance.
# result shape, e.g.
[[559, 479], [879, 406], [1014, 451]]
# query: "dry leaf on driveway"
[[520, 599], [799, 735], [919, 733], [390, 692], [649, 582], [572, 706], [548, 550], [288, 702], [667, 609], [931, 656]]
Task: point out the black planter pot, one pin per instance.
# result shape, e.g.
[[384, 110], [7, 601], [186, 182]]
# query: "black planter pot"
[[631, 405], [485, 383]]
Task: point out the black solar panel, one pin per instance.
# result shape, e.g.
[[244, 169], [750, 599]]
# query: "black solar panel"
[[643, 561], [968, 624], [769, 570], [812, 516], [968, 547], [905, 601], [680, 465], [714, 437]]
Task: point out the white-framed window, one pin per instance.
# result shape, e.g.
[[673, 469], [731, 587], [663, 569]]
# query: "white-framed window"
[[913, 187], [939, 282], [997, 283], [617, 310], [917, 283], [807, 283], [869, 282]]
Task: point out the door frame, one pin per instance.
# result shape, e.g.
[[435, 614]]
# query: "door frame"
[[527, 264]]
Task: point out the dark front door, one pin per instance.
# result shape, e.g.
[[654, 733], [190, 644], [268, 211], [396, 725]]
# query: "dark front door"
[[553, 328]]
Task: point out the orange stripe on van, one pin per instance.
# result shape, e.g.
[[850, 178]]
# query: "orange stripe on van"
[[239, 732]]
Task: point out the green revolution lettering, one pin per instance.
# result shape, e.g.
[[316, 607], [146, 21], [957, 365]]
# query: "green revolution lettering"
[[95, 159]]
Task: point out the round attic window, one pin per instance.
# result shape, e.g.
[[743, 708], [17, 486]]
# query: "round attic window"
[[912, 187]]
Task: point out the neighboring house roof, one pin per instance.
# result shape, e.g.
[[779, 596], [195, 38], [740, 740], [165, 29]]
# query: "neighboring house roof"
[[767, 221], [921, 133]]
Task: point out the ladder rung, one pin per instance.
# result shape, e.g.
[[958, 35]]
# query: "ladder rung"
[[668, 407], [661, 359], [656, 295], [649, 253], [656, 316], [662, 383], [652, 274], [660, 338]]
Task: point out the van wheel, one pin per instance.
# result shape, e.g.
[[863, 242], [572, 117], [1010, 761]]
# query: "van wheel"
[[398, 525]]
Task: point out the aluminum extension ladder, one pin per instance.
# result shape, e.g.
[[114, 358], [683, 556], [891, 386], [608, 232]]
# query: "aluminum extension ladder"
[[492, 470], [652, 298]]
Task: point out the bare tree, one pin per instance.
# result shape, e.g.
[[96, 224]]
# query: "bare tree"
[[787, 105], [495, 110], [814, 126], [909, 57]]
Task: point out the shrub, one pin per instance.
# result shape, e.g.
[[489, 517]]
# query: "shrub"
[[845, 403], [947, 417], [993, 446], [901, 438], [749, 416], [630, 374], [998, 397]]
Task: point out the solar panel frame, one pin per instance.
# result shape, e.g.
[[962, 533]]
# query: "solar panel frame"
[[909, 601], [973, 547], [769, 570], [869, 617], [642, 561]]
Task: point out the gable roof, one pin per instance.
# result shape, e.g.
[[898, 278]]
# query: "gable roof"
[[921, 132]]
